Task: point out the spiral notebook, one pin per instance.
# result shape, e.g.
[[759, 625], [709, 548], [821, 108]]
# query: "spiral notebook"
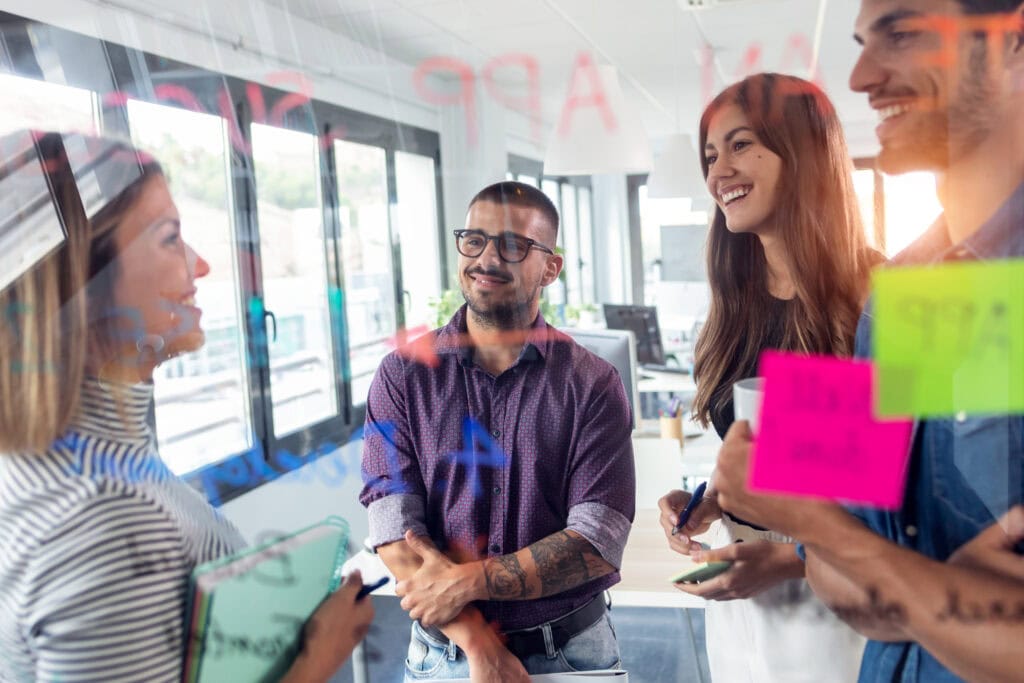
[[247, 611]]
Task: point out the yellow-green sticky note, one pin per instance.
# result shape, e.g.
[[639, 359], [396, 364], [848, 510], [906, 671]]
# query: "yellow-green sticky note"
[[949, 339]]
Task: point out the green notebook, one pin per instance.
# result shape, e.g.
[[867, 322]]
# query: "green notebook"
[[247, 611]]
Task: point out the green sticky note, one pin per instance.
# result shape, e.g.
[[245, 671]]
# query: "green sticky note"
[[949, 339]]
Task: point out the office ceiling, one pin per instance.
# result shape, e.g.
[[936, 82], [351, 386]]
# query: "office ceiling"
[[657, 45]]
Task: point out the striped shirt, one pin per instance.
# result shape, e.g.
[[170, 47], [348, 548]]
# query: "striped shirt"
[[97, 541]]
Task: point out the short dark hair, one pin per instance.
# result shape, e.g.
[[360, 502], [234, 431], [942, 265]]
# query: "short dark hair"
[[519, 194], [989, 6]]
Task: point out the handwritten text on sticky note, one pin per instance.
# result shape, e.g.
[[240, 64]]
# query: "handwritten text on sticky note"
[[950, 339], [818, 438]]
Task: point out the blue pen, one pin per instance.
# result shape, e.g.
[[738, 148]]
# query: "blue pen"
[[695, 499], [370, 587]]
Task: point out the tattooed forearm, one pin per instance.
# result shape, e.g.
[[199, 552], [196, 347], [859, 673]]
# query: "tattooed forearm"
[[565, 561], [506, 579]]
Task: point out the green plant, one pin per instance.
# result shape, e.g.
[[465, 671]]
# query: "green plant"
[[444, 307]]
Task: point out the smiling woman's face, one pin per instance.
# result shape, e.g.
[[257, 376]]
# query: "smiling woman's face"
[[743, 174], [154, 291]]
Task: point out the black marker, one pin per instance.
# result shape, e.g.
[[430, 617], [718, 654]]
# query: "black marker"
[[370, 587]]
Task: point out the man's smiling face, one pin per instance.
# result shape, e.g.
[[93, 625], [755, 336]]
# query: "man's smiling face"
[[932, 77]]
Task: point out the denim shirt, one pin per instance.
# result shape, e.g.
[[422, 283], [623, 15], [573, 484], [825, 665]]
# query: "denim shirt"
[[965, 472]]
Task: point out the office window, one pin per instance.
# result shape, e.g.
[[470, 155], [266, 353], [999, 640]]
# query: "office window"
[[655, 216], [911, 206], [570, 237], [416, 184], [201, 398], [295, 283], [255, 202], [367, 258], [864, 186], [553, 190], [586, 222], [31, 103]]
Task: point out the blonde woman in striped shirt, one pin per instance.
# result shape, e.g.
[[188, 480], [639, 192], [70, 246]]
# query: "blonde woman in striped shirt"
[[97, 536]]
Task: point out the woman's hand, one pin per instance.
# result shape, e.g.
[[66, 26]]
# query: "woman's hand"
[[331, 633], [672, 504], [756, 567]]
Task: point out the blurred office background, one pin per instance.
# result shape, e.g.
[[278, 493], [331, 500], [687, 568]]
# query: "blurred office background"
[[321, 152]]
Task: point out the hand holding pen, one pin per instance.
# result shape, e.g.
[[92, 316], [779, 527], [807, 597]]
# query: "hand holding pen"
[[695, 500], [684, 515]]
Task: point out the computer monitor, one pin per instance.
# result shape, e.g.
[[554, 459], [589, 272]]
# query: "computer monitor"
[[618, 347], [643, 322]]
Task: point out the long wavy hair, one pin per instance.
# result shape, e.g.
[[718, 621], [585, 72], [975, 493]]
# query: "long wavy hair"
[[818, 221]]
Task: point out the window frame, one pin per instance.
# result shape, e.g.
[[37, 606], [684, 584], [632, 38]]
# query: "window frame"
[[520, 166]]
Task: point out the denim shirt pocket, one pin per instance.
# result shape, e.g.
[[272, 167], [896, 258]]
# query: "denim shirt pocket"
[[976, 470]]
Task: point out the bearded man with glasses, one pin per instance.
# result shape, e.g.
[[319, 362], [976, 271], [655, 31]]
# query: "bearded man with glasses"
[[499, 479]]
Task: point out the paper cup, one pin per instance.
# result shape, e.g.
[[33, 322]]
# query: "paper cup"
[[746, 400]]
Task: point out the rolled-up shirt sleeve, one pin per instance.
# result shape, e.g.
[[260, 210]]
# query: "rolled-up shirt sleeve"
[[602, 479], [393, 491]]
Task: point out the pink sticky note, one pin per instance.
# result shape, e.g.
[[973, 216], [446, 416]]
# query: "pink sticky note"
[[818, 435]]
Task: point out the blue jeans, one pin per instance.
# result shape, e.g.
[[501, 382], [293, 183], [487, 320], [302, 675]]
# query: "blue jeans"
[[592, 648]]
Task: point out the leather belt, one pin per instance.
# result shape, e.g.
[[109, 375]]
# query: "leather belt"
[[530, 641]]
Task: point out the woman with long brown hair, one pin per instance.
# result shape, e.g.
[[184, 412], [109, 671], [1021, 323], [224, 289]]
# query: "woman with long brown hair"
[[789, 269], [98, 537]]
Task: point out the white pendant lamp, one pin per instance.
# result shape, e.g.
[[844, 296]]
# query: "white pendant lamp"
[[676, 172], [598, 131]]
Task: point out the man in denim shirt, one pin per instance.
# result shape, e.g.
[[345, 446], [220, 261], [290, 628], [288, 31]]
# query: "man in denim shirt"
[[937, 586]]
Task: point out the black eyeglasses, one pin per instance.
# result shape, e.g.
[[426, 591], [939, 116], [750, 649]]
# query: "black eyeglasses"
[[512, 248]]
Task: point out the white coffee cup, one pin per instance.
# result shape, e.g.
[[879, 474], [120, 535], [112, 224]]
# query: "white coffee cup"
[[746, 400]]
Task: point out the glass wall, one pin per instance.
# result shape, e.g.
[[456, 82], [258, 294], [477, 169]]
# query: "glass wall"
[[309, 237], [572, 197], [38, 105], [368, 258], [295, 284], [201, 398]]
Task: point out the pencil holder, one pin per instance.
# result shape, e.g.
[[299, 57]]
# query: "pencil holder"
[[672, 428]]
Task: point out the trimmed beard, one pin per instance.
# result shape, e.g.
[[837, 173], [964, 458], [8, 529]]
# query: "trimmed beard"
[[504, 315], [943, 136]]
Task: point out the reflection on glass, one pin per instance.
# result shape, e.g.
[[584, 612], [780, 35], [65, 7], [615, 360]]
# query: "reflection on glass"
[[290, 216], [367, 256], [202, 400], [417, 232], [39, 105]]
